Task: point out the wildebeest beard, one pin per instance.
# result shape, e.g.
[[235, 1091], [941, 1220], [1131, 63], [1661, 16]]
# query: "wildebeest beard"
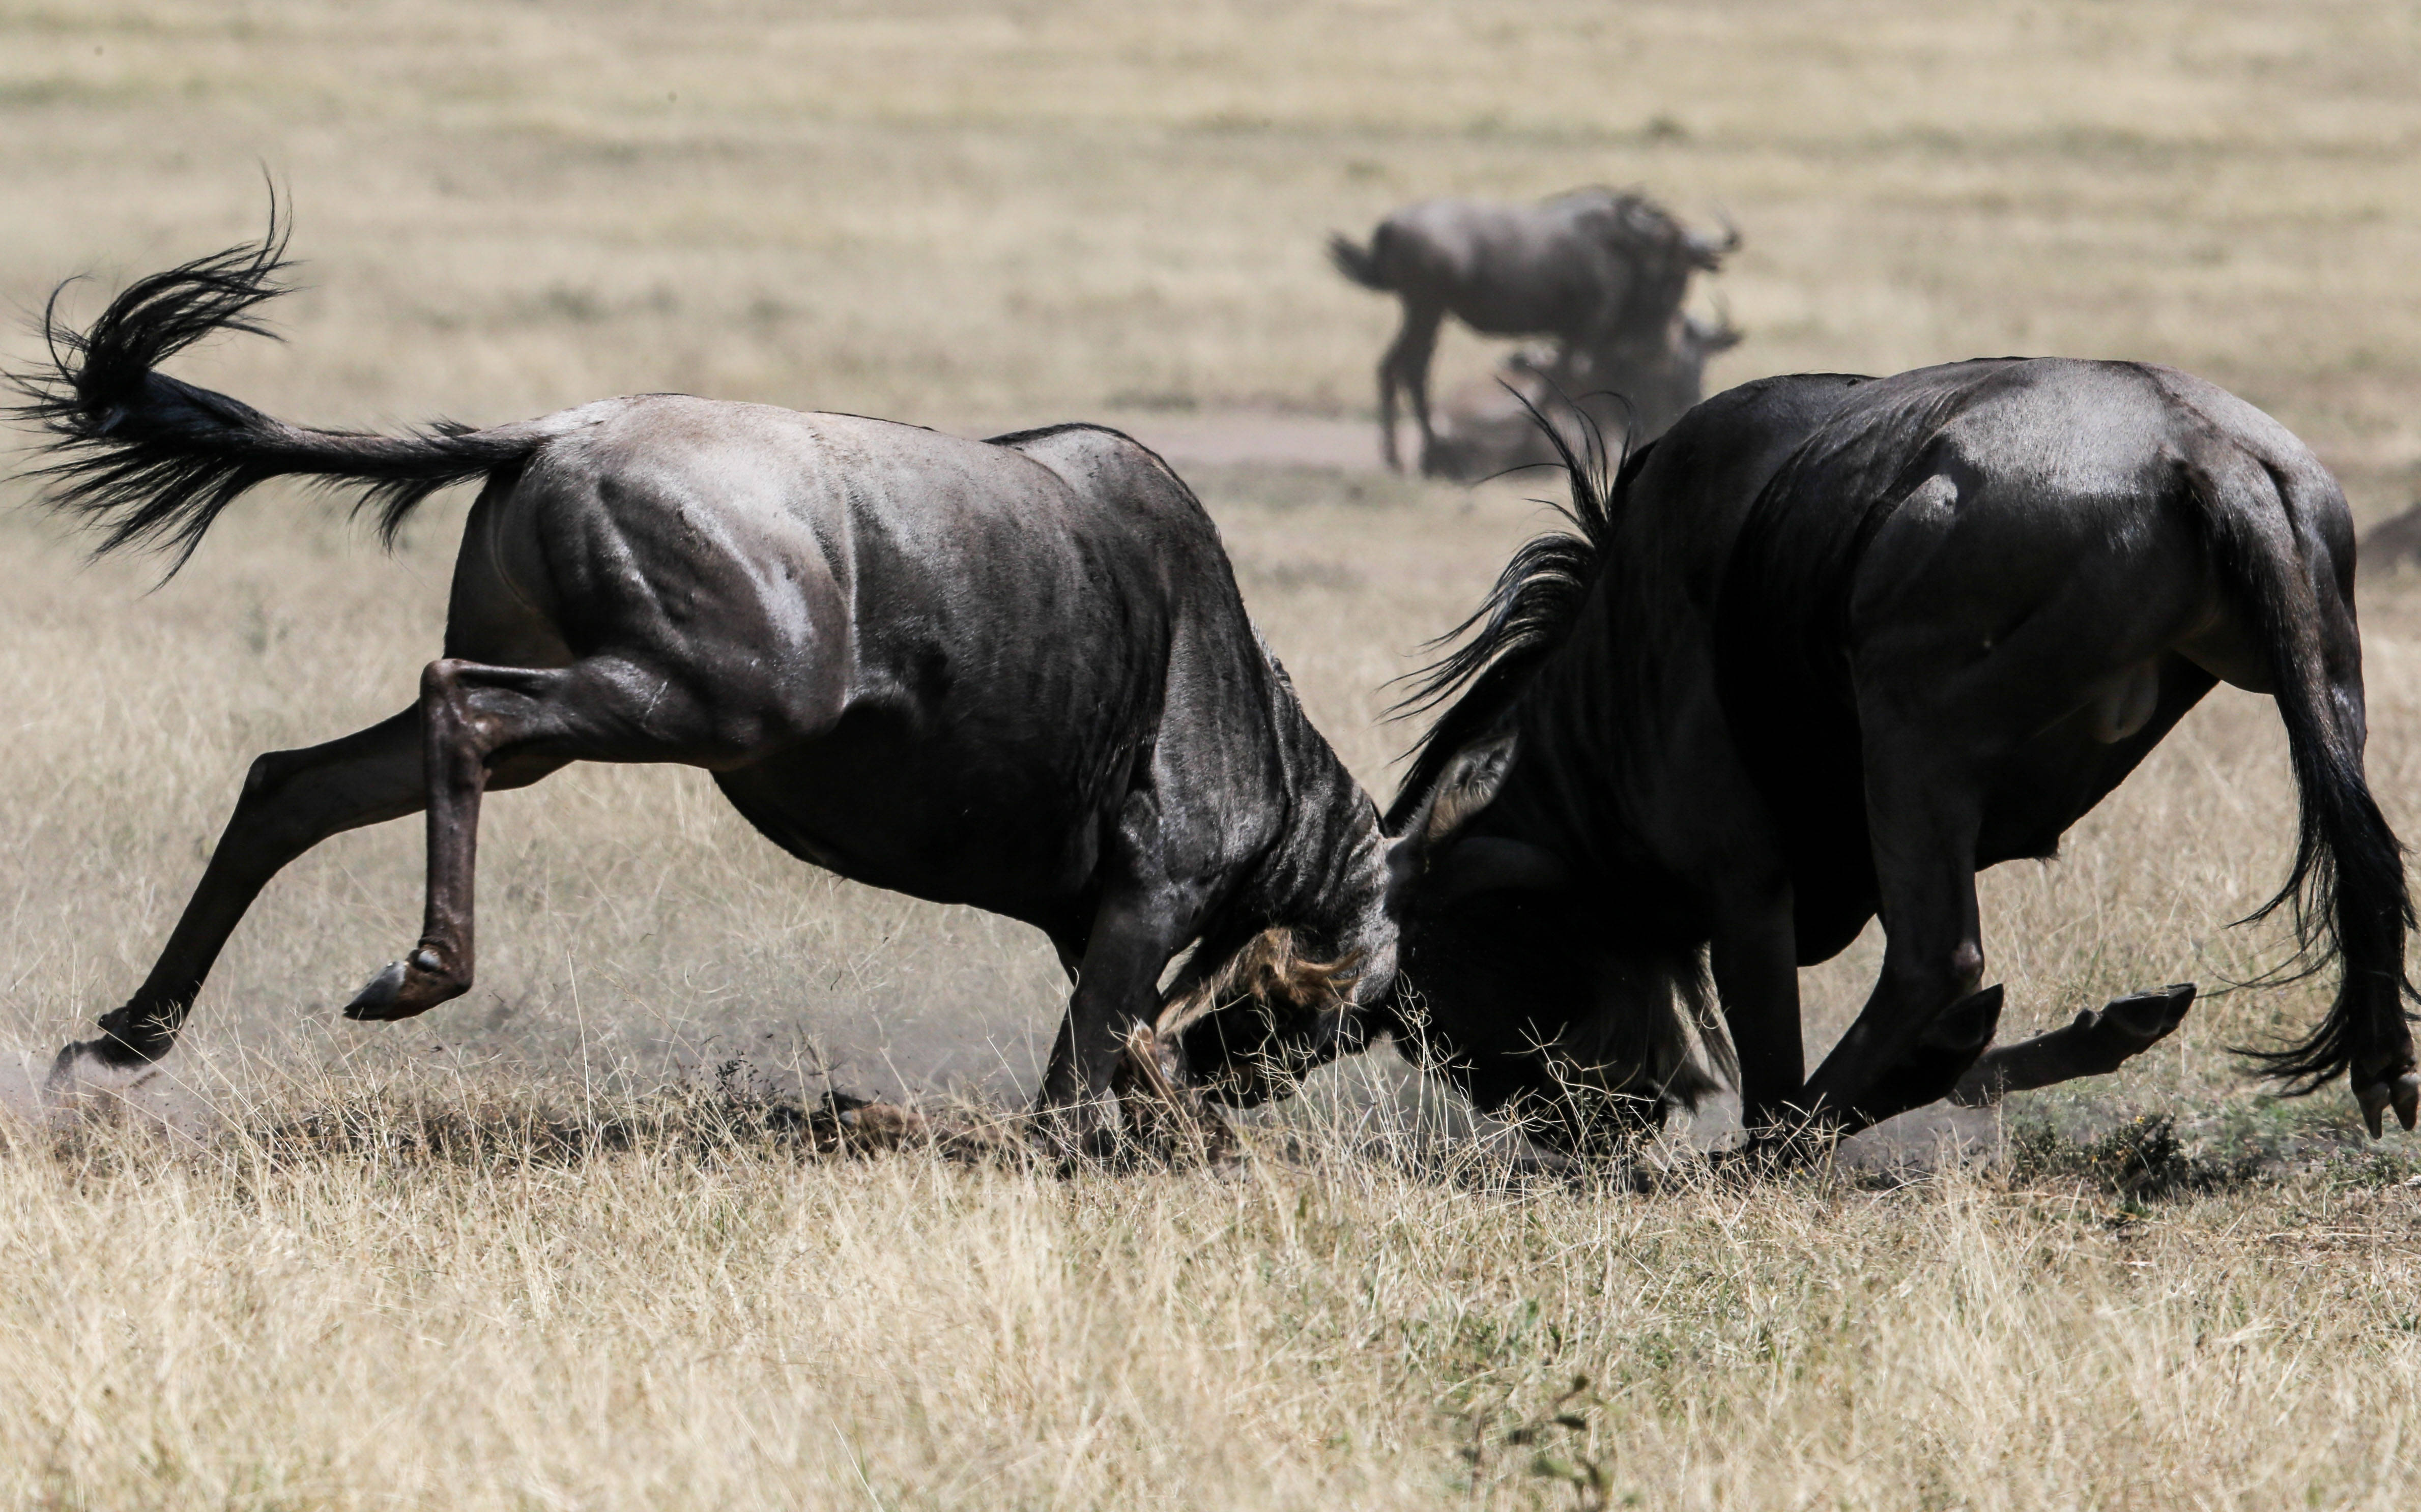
[[1249, 1030]]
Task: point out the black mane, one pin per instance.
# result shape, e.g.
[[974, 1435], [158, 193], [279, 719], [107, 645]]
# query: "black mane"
[[1527, 614]]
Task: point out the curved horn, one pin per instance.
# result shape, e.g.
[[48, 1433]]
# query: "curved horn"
[[1708, 251], [1721, 337]]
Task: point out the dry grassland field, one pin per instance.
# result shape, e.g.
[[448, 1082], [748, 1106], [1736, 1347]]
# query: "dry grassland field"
[[557, 1245]]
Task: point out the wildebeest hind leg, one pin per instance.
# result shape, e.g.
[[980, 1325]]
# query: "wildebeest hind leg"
[[481, 724], [291, 801]]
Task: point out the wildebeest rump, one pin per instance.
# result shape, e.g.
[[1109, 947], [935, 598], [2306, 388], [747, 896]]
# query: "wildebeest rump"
[[1598, 272], [1824, 651], [1013, 674]]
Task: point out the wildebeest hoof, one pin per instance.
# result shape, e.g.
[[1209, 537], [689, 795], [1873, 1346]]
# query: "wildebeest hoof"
[[1778, 1151], [1063, 1135], [2375, 1095], [127, 1039], [2127, 1026], [404, 989], [1966, 1026], [106, 1065]]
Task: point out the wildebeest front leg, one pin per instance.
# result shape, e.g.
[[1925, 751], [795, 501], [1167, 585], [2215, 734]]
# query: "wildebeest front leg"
[[479, 722], [1134, 934], [1754, 959], [1406, 364], [1926, 1022], [2096, 1043]]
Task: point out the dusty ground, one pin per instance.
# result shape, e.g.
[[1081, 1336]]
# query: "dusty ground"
[[977, 219]]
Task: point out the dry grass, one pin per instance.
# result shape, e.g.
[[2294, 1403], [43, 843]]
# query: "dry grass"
[[690, 1322], [1090, 210]]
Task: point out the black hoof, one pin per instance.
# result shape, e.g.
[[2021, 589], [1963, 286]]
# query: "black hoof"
[[68, 1069], [127, 1040], [375, 1001], [1780, 1150], [404, 989], [2134, 1023], [1966, 1026], [2375, 1095]]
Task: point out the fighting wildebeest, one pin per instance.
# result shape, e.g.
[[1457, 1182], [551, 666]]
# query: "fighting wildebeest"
[[1631, 395], [1819, 654], [1014, 674], [1593, 270]]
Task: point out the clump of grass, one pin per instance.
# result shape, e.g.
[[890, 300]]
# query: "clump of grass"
[[2143, 1157]]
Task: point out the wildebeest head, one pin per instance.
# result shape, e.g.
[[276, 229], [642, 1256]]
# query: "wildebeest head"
[[1542, 995], [1255, 1005], [1551, 981], [1493, 966]]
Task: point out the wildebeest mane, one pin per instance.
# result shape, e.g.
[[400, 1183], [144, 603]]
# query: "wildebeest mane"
[[1527, 614]]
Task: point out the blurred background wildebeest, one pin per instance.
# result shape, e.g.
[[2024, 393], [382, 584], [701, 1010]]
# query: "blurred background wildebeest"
[[1496, 424], [1601, 275]]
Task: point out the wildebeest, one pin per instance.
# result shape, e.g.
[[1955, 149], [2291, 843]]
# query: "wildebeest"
[[1014, 674], [1593, 270], [2393, 543], [1820, 653], [1625, 396]]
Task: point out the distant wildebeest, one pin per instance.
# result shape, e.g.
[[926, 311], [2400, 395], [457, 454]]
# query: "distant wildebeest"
[[1626, 397], [1819, 654], [1593, 270], [1014, 674], [2393, 543]]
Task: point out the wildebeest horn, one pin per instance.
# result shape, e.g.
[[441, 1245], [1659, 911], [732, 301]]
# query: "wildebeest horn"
[[1270, 967], [1708, 251], [1492, 863], [1721, 337]]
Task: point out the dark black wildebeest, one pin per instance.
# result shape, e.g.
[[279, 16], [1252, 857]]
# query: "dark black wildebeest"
[[1822, 652], [1595, 270], [1014, 674]]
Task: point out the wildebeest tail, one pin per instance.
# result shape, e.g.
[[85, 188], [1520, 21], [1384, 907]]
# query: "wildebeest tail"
[[1355, 261], [2346, 891], [149, 461]]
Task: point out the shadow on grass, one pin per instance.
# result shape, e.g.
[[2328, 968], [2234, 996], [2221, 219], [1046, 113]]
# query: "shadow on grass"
[[2265, 1143]]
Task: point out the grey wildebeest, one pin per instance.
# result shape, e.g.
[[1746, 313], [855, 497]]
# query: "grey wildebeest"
[[1819, 654], [1014, 674], [1595, 270]]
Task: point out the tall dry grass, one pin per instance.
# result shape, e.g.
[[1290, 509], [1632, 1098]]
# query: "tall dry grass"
[[979, 218], [690, 1322]]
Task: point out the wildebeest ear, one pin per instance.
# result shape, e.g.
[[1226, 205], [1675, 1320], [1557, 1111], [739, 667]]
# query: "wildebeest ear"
[[1468, 784]]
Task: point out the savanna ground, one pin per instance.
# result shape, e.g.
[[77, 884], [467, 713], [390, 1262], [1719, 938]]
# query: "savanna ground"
[[487, 1259]]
